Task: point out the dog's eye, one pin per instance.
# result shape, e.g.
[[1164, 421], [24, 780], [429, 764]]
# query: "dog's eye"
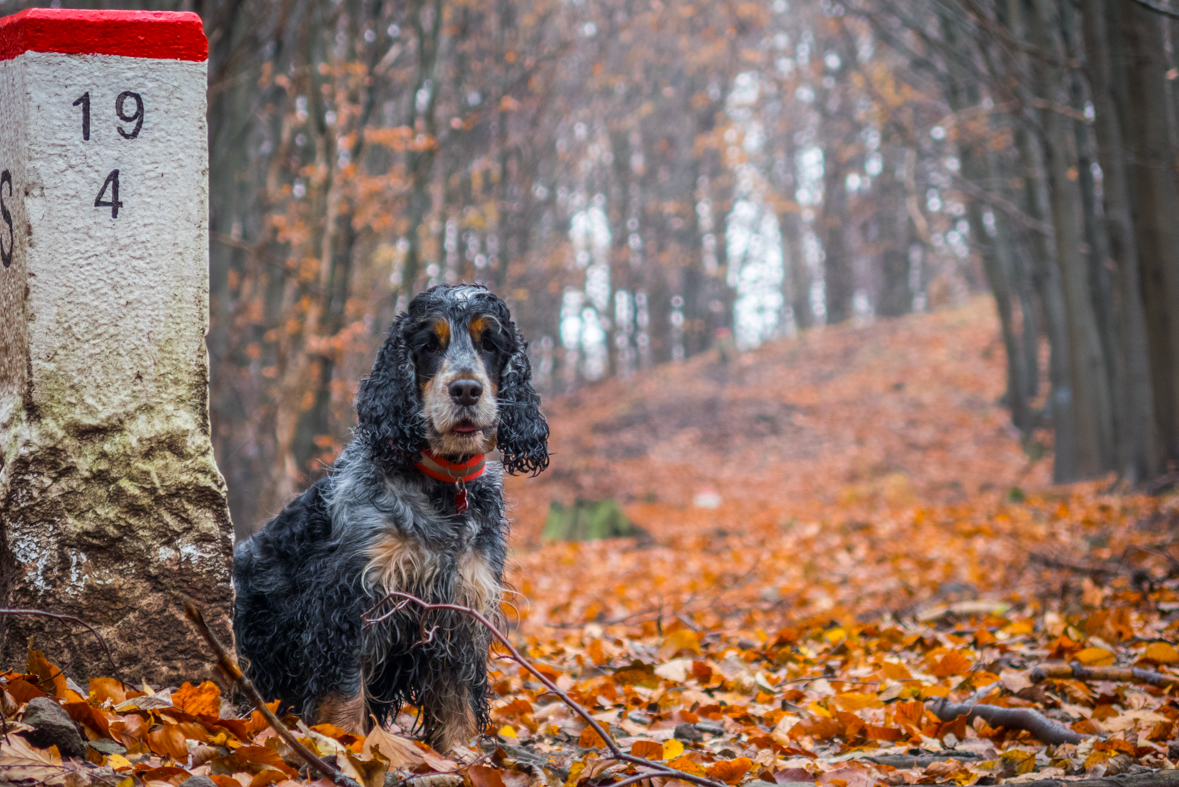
[[426, 342], [491, 342]]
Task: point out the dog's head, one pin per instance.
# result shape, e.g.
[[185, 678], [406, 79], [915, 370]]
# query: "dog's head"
[[453, 375]]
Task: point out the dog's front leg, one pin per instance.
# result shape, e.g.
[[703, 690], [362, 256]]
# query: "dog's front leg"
[[449, 715], [454, 702], [330, 658], [347, 711]]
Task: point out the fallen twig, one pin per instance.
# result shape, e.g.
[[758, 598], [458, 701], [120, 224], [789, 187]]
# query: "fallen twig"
[[971, 608], [1078, 568], [611, 744], [434, 779], [57, 616], [1168, 778], [923, 759], [1169, 558], [830, 679], [1040, 726], [638, 777], [1076, 671], [233, 673], [531, 758], [1160, 484]]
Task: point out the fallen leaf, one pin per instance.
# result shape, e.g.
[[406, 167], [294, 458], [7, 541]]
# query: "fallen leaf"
[[204, 699], [954, 662], [482, 776], [672, 749], [400, 752], [729, 771], [49, 678], [648, 750], [369, 772], [1094, 657], [678, 641], [1162, 653]]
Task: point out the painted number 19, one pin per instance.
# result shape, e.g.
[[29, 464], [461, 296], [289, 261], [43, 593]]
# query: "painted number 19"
[[128, 109], [121, 111]]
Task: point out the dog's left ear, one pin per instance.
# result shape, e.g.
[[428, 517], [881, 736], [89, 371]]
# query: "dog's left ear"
[[388, 405], [523, 435]]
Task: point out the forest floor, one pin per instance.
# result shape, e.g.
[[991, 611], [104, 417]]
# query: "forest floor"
[[849, 572]]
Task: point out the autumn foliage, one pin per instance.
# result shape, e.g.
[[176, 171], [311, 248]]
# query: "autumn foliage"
[[841, 533]]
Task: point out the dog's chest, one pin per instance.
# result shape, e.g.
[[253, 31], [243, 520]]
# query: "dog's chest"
[[446, 565]]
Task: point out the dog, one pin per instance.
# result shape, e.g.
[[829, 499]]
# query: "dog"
[[411, 504]]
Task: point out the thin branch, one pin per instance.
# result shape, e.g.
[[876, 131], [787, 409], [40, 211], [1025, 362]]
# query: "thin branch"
[[229, 240], [611, 744], [1005, 35], [1158, 8], [830, 679], [1168, 778], [1007, 206], [70, 618], [1076, 671], [1040, 726], [515, 654], [1063, 565], [638, 777], [1061, 109], [233, 673]]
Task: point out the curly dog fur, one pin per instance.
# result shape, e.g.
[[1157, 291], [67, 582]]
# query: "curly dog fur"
[[377, 523]]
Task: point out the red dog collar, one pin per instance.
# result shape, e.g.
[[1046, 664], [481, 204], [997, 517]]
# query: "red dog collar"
[[442, 469]]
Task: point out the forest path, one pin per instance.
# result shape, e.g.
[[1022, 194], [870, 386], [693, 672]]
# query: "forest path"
[[772, 475], [841, 421]]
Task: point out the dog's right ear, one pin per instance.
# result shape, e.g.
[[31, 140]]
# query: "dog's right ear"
[[388, 404]]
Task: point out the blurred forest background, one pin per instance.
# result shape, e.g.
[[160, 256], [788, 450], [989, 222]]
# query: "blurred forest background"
[[648, 180]]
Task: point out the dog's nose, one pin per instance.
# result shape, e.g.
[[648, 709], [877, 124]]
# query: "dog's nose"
[[466, 391]]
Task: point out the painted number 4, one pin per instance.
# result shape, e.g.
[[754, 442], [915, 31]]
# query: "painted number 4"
[[111, 184]]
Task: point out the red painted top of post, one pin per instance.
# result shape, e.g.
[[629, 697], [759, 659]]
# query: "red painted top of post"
[[162, 35]]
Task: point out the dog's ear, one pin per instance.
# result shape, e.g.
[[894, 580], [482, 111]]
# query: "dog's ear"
[[523, 435], [388, 404]]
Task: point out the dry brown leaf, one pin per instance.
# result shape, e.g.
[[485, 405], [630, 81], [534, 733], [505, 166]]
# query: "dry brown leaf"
[[168, 740], [369, 772], [482, 776], [400, 752], [49, 678], [648, 750], [204, 699], [1161, 653], [729, 771]]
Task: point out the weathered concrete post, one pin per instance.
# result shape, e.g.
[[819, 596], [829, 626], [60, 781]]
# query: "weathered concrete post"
[[111, 505]]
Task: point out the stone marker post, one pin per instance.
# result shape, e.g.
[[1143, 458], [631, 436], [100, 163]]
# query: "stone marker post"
[[111, 505]]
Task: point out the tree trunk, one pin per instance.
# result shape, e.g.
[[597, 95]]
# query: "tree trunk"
[[1046, 281], [894, 239], [1088, 376], [1141, 91], [837, 265], [1138, 455], [798, 274]]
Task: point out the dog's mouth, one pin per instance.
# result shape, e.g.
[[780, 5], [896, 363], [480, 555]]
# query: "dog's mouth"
[[466, 428]]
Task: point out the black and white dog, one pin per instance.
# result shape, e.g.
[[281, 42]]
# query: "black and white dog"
[[411, 505]]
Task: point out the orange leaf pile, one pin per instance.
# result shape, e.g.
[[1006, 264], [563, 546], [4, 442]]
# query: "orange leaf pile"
[[880, 542]]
